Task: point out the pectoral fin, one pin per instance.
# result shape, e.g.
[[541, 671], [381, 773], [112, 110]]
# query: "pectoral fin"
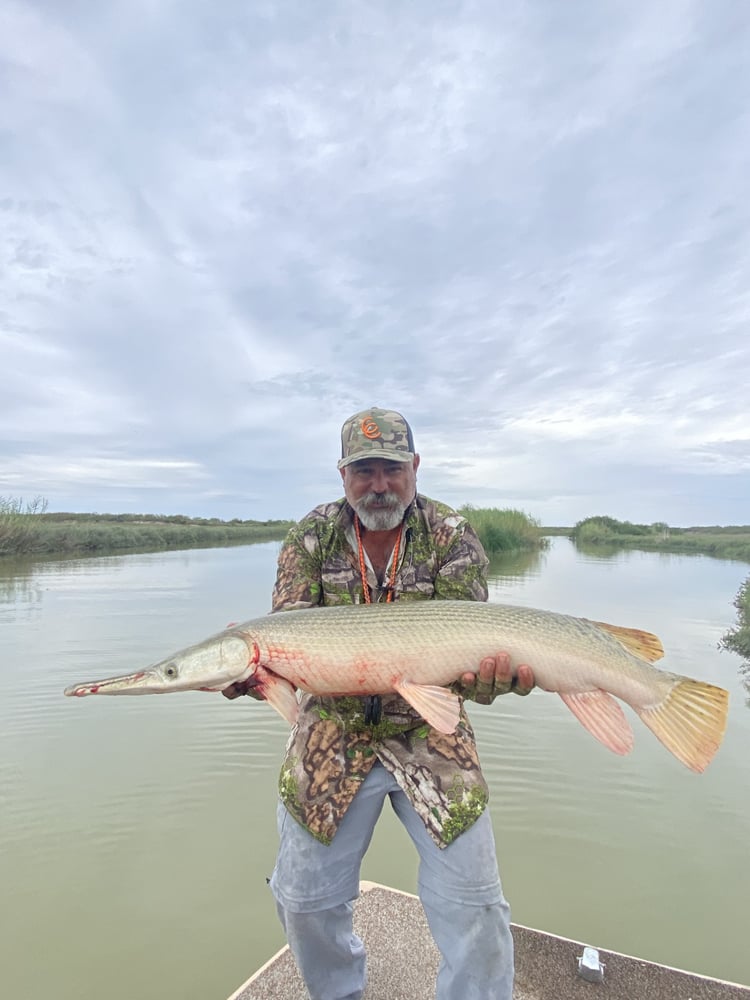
[[279, 694], [598, 712], [437, 705]]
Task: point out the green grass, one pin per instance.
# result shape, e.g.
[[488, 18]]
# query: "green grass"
[[29, 530], [18, 523], [504, 530]]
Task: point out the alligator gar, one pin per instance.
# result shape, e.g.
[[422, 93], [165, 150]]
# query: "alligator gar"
[[420, 648]]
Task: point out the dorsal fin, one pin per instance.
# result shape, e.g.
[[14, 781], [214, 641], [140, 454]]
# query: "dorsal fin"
[[644, 645]]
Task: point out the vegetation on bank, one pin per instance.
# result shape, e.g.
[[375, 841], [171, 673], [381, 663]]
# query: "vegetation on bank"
[[26, 529], [18, 523], [504, 530], [737, 639], [730, 542]]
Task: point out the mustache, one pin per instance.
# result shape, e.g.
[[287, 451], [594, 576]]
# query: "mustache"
[[388, 499]]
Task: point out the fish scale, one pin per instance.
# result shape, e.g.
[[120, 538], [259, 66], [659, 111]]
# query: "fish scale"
[[441, 640]]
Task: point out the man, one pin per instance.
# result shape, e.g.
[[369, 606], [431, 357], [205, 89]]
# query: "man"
[[383, 541]]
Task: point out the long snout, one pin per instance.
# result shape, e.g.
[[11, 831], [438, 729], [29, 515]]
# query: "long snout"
[[142, 682], [208, 666]]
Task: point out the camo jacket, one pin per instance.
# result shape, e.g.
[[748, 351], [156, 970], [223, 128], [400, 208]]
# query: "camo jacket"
[[331, 748]]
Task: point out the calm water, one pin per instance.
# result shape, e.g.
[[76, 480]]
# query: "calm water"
[[136, 834]]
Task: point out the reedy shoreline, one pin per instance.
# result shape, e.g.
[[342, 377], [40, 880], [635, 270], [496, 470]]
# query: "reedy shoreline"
[[30, 531], [26, 529]]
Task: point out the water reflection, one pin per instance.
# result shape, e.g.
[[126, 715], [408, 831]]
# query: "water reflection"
[[17, 589], [600, 550], [509, 566], [24, 578]]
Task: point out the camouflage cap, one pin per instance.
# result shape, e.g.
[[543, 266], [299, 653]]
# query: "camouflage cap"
[[376, 433]]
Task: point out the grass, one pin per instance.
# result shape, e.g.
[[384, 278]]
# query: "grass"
[[504, 530], [18, 523], [26, 529]]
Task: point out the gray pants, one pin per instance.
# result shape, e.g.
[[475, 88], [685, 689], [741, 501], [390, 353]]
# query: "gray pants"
[[459, 886]]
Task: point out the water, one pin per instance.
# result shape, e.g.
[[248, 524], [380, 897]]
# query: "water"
[[136, 834]]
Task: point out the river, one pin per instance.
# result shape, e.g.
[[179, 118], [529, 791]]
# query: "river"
[[136, 834]]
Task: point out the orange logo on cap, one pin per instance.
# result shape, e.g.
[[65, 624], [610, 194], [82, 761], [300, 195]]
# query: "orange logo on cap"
[[370, 429]]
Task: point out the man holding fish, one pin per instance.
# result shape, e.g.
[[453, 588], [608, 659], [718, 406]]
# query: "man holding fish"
[[382, 713], [384, 542]]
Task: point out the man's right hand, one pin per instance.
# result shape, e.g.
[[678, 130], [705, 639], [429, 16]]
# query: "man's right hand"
[[495, 677]]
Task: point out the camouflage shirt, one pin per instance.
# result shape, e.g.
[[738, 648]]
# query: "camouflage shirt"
[[331, 749]]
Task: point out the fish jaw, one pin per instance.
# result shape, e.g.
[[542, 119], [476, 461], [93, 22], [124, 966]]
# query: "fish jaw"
[[209, 666]]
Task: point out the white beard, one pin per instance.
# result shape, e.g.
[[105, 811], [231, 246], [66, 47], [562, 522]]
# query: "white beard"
[[380, 518]]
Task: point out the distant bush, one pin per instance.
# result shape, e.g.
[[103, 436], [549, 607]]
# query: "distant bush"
[[723, 543], [737, 639], [608, 529], [504, 530]]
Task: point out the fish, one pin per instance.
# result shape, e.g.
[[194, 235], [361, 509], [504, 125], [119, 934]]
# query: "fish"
[[418, 649]]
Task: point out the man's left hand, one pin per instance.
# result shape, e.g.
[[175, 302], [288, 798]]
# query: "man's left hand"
[[495, 676]]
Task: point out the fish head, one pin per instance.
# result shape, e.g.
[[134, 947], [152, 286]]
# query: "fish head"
[[208, 666]]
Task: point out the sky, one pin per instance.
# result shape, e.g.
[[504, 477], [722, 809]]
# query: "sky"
[[227, 226]]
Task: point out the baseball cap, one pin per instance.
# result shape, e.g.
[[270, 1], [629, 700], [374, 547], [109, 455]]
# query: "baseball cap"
[[376, 433]]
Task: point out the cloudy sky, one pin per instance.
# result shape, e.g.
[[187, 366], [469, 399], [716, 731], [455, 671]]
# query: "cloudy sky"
[[226, 225]]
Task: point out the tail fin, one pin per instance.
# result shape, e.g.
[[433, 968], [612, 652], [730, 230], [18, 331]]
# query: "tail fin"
[[690, 722]]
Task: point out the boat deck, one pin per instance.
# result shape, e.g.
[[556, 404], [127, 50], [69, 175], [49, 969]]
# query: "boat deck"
[[403, 961]]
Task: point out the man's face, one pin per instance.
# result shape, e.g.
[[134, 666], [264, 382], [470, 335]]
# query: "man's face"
[[380, 490]]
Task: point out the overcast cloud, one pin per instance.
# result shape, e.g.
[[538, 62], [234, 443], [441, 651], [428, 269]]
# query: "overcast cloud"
[[225, 226]]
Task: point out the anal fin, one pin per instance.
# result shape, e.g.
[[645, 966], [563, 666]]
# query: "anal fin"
[[437, 705], [600, 714]]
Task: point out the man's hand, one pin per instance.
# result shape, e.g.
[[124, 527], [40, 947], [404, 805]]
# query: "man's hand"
[[495, 676]]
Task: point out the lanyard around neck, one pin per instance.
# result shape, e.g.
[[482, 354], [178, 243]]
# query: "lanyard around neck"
[[363, 569]]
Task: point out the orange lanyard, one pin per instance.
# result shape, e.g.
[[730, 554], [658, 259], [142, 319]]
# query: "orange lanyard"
[[363, 569]]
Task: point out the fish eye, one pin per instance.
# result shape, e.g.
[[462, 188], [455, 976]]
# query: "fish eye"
[[171, 670]]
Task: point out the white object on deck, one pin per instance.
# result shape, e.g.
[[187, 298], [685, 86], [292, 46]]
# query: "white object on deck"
[[589, 966]]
